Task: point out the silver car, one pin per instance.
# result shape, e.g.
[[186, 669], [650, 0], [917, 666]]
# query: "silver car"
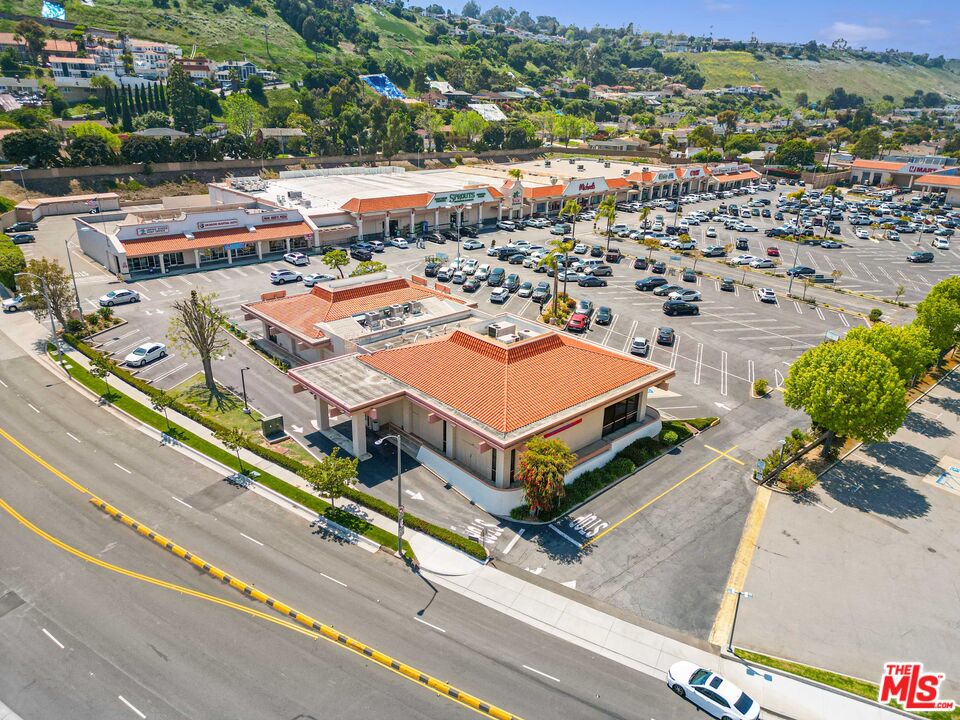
[[145, 354], [119, 297]]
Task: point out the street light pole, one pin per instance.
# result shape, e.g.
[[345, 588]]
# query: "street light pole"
[[53, 326], [796, 241], [76, 291], [243, 385], [399, 492], [736, 610]]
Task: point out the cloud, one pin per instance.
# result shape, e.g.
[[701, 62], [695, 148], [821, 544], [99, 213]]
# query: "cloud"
[[919, 21], [854, 33], [720, 7]]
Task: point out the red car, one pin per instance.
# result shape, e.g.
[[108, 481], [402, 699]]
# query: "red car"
[[773, 251], [577, 323]]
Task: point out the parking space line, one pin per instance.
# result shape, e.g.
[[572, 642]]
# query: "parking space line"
[[796, 304], [168, 373], [723, 373], [122, 350], [820, 314], [725, 454], [843, 319], [633, 328], [673, 355], [750, 372], [699, 364]]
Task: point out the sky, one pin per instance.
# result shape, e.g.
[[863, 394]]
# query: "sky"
[[922, 26]]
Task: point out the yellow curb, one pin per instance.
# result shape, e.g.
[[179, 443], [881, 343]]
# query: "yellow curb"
[[741, 565], [330, 633]]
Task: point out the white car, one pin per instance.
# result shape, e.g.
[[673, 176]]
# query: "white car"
[[483, 272], [282, 277], [745, 227], [296, 258], [766, 295], [538, 223], [506, 225], [445, 273], [472, 245], [941, 243], [314, 278], [459, 277], [119, 297], [711, 232], [470, 267], [710, 692], [580, 248], [146, 353], [493, 250], [499, 295], [686, 295], [399, 242], [762, 263], [741, 260], [12, 304], [862, 233], [640, 346]]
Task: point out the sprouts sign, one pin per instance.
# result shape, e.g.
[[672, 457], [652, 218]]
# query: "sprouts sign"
[[460, 197]]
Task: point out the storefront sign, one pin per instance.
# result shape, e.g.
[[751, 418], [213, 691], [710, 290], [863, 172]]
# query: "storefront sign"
[[693, 173], [585, 187], [516, 196], [152, 230], [217, 224], [665, 176], [922, 169], [460, 197], [278, 217]]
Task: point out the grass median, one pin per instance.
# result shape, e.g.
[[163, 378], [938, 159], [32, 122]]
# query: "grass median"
[[157, 421]]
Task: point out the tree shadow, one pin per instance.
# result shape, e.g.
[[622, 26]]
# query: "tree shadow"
[[873, 490], [925, 425], [901, 456], [950, 404], [558, 549]]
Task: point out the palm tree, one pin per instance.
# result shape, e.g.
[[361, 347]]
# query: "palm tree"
[[516, 173], [550, 261], [608, 211], [832, 192], [560, 246], [644, 214], [571, 208]]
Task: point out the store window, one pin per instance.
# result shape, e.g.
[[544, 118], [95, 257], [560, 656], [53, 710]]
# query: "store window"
[[278, 246], [172, 260], [248, 250], [299, 243], [144, 264], [212, 255], [620, 414]]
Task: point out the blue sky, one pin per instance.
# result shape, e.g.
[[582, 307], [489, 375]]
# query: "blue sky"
[[930, 26]]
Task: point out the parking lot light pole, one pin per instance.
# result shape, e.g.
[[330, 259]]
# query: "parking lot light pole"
[[243, 385], [399, 492], [53, 326], [76, 291], [736, 610]]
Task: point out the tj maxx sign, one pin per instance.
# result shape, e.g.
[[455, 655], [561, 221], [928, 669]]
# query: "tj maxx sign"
[[589, 186]]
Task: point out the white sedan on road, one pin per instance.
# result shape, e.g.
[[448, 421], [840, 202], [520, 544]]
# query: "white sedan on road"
[[710, 692], [862, 233]]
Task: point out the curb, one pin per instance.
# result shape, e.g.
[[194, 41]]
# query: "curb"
[[307, 621]]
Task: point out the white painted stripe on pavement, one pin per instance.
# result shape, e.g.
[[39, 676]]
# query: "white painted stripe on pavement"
[[47, 633], [123, 468], [182, 502], [439, 629], [333, 579], [129, 705], [253, 540], [539, 672]]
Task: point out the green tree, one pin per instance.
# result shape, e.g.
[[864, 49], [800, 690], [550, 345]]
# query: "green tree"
[[832, 192], [908, 347], [31, 34], [182, 99], [11, 261], [36, 148], [332, 476], [232, 439], [848, 389], [702, 137], [336, 260], [92, 129], [542, 471], [140, 149], [151, 119], [90, 151], [794, 153], [565, 127], [160, 401], [243, 115], [197, 329], [940, 316], [254, 87], [468, 125], [368, 267], [100, 367], [398, 128], [608, 211], [868, 144], [126, 115], [59, 285], [471, 9]]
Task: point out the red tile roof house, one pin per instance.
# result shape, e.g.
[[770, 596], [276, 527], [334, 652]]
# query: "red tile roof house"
[[470, 398], [340, 316]]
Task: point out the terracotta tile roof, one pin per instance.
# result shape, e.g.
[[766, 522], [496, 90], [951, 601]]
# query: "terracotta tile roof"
[[618, 183], [322, 304], [503, 386], [544, 191], [877, 164], [938, 180], [733, 177], [382, 204], [214, 238], [640, 177]]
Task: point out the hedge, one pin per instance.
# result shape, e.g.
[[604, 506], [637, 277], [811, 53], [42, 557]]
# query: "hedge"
[[11, 262], [466, 545]]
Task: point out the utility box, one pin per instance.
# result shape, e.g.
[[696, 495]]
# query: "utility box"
[[272, 428]]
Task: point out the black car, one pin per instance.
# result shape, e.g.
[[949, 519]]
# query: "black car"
[[727, 285], [689, 276], [541, 293], [920, 257], [650, 283], [431, 269], [658, 267], [469, 231], [604, 315], [640, 264], [450, 235], [517, 259], [22, 238], [496, 277], [743, 244], [435, 237], [471, 284], [512, 283], [679, 307], [596, 251], [665, 336], [591, 281], [359, 253], [801, 270], [22, 226]]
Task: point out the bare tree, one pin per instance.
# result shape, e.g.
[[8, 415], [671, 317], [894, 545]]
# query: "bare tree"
[[197, 329]]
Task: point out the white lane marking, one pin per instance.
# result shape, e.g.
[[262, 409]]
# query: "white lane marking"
[[3, 383], [47, 633], [73, 437], [820, 314], [751, 370], [723, 373], [797, 306], [678, 407], [562, 534], [121, 337], [539, 672], [254, 540], [438, 629], [512, 543], [123, 468], [330, 578], [33, 408], [130, 705], [182, 502], [843, 319], [166, 284], [699, 364], [169, 373]]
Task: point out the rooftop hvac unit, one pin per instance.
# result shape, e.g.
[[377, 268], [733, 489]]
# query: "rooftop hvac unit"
[[394, 321], [294, 194], [644, 169], [508, 339], [572, 161], [527, 333], [499, 329], [280, 199], [580, 168], [546, 163], [306, 203], [606, 164], [396, 310], [416, 307], [625, 173], [373, 317]]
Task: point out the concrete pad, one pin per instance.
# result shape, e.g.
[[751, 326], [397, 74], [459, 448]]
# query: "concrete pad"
[[639, 651], [536, 609], [583, 629]]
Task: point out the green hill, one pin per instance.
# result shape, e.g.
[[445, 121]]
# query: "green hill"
[[869, 79]]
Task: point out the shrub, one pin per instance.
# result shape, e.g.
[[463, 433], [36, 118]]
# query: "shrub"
[[105, 312], [876, 314], [760, 387], [797, 478], [702, 423], [11, 261], [679, 428], [75, 326], [669, 437]]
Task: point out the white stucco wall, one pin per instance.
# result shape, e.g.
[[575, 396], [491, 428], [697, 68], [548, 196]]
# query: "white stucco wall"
[[495, 501]]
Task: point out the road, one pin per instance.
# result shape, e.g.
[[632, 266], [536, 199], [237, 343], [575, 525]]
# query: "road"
[[90, 641]]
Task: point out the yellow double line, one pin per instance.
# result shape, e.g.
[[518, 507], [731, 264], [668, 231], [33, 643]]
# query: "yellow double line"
[[303, 624]]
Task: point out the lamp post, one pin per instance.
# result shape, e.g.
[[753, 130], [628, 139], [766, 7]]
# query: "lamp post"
[[243, 385], [399, 493], [736, 609], [46, 296], [19, 169], [796, 241], [76, 291]]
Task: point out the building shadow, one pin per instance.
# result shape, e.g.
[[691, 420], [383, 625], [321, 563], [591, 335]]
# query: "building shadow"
[[873, 490]]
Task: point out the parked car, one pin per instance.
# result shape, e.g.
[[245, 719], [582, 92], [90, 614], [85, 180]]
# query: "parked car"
[[941, 243], [472, 245], [689, 276], [862, 233], [666, 336], [483, 272], [762, 263], [710, 692], [296, 258], [512, 283], [459, 277], [471, 285], [665, 290], [13, 304], [600, 270], [499, 295], [578, 322], [541, 293], [314, 278], [22, 226], [538, 223], [399, 242], [604, 315], [659, 267], [679, 307], [22, 238], [591, 281], [743, 244], [711, 232], [121, 297], [714, 251], [580, 248], [469, 231], [145, 354], [526, 289], [830, 244], [376, 246], [920, 256], [640, 346], [506, 225], [766, 295], [496, 277], [727, 285], [362, 254], [685, 294], [614, 255], [773, 251], [801, 270]]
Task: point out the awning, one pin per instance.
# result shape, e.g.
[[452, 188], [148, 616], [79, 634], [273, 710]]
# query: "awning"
[[214, 239]]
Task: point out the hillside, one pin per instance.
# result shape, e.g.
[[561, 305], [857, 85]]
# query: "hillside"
[[228, 35], [817, 79], [402, 39]]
